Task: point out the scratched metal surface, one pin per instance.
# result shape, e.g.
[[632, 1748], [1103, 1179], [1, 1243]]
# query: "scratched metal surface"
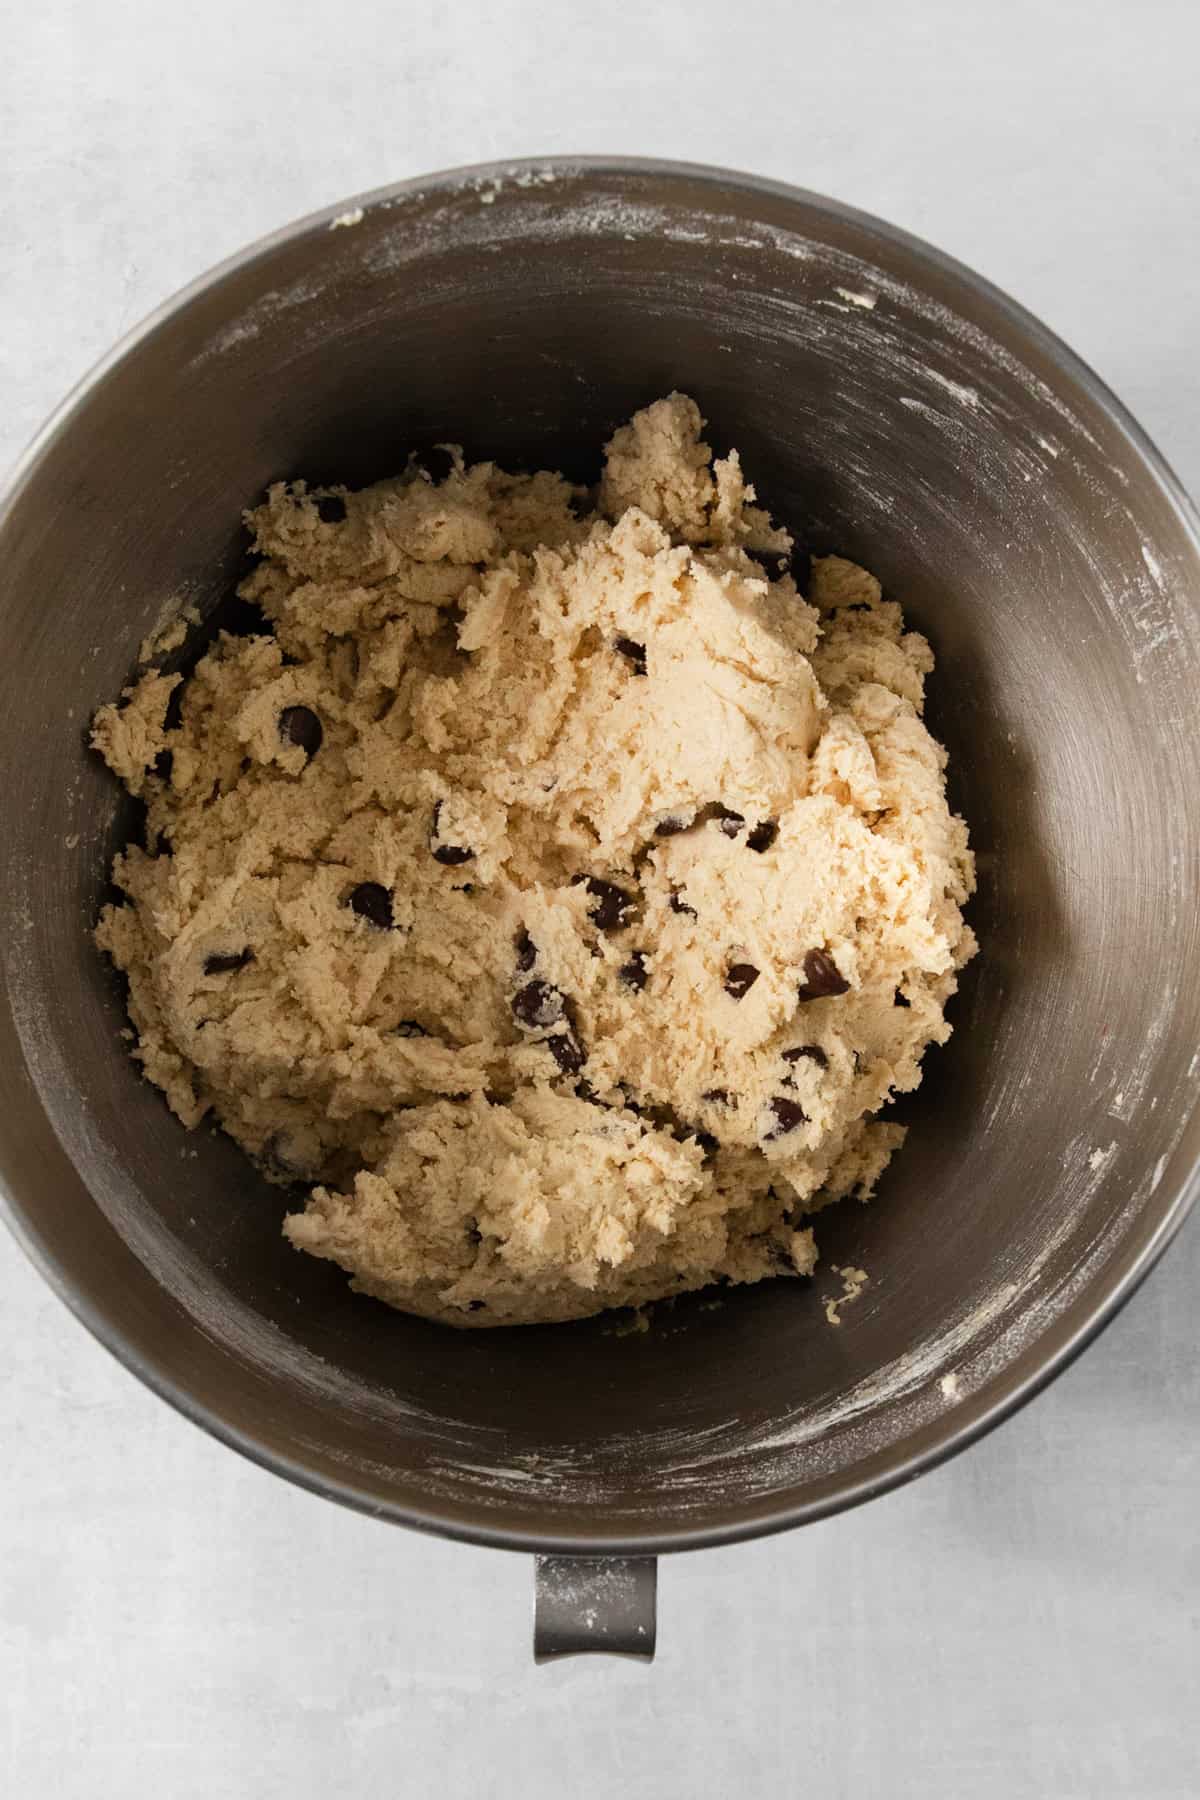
[[150, 1570]]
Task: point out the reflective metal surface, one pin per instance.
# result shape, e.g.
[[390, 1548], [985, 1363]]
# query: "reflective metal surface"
[[888, 404], [595, 1603]]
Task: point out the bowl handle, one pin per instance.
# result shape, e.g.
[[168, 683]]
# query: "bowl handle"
[[595, 1603]]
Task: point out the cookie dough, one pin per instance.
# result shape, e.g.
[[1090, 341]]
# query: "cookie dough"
[[548, 888]]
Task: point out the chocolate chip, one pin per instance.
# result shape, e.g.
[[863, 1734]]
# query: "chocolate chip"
[[474, 1305], [300, 725], [450, 854], [474, 1235], [678, 905], [730, 822], [707, 1142], [537, 1004], [763, 836], [822, 977], [786, 1115], [716, 1096], [671, 825], [526, 951], [813, 1051], [331, 509], [901, 998], [613, 907], [372, 901], [585, 1091], [162, 765], [225, 964], [739, 979], [567, 1051], [634, 973], [408, 1028], [633, 652]]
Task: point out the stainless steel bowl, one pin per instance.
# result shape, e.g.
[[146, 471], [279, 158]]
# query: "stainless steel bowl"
[[890, 405]]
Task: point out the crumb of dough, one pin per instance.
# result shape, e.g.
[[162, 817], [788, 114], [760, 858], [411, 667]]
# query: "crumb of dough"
[[131, 735], [170, 633], [853, 1283], [553, 891]]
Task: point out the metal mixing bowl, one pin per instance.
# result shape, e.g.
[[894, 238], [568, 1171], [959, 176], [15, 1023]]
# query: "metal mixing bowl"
[[890, 405]]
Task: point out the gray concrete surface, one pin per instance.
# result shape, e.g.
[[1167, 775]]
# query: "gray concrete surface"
[[1023, 1623]]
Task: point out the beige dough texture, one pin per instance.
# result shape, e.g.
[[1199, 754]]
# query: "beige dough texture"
[[550, 893]]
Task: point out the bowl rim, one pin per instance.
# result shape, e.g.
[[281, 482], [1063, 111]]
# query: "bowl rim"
[[1105, 1293]]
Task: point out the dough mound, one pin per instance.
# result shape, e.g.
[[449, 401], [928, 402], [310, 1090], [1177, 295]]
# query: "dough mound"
[[548, 887]]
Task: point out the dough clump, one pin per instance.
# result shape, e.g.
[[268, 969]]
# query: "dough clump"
[[548, 890]]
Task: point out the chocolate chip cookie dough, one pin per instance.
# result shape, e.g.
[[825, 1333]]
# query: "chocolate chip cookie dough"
[[553, 887]]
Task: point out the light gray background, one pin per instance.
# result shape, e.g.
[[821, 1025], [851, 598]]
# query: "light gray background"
[[1022, 1623]]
